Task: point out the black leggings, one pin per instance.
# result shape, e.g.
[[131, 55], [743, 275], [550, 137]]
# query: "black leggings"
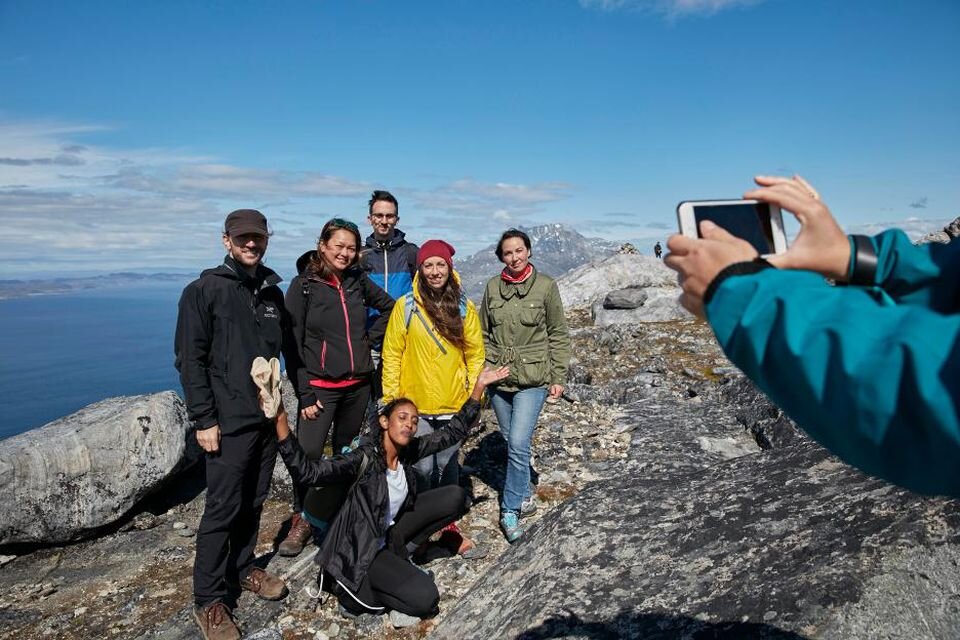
[[343, 409], [392, 581]]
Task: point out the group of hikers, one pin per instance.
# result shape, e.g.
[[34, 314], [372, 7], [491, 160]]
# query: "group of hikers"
[[856, 338], [379, 328]]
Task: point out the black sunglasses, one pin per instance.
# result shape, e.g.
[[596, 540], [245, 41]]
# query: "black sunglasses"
[[340, 223]]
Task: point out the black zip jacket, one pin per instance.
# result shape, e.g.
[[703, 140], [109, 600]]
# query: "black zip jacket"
[[353, 538], [329, 326], [226, 319]]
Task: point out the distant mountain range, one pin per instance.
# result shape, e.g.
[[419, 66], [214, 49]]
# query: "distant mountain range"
[[23, 288], [556, 249]]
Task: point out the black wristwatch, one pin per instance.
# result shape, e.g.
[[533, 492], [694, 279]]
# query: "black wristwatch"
[[863, 261]]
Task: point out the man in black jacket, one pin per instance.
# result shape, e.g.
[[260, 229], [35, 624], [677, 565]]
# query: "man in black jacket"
[[227, 317]]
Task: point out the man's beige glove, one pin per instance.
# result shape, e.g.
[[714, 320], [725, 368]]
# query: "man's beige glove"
[[266, 375]]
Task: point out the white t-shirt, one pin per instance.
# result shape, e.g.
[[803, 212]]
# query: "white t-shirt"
[[397, 486]]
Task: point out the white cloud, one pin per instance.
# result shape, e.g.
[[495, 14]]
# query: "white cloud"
[[69, 203], [66, 203], [668, 8], [914, 227]]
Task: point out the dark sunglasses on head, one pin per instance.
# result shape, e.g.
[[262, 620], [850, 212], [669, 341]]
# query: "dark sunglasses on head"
[[340, 223]]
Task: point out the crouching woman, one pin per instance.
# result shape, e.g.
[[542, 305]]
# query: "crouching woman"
[[365, 552]]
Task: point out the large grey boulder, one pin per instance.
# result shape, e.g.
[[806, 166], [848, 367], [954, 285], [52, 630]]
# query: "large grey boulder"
[[945, 236], [658, 304], [75, 475], [783, 543], [590, 283]]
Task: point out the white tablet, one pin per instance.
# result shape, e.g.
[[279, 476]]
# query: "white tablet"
[[759, 223]]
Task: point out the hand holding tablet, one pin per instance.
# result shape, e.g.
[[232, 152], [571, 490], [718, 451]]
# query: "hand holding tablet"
[[759, 223]]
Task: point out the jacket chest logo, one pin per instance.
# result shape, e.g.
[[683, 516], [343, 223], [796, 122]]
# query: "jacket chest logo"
[[270, 312]]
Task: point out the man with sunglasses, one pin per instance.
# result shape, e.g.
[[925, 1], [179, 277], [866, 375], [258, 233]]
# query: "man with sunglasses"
[[217, 340]]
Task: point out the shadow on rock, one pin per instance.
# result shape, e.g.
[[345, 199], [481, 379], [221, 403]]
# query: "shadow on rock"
[[652, 626]]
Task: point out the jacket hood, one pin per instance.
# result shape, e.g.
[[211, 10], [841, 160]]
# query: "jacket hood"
[[396, 240], [304, 260], [232, 271]]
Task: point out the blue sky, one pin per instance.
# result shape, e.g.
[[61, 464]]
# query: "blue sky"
[[129, 129]]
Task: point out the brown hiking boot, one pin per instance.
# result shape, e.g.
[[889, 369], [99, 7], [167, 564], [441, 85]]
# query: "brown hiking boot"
[[298, 536], [216, 622], [265, 585]]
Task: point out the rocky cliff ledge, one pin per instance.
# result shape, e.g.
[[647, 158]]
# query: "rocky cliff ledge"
[[675, 503]]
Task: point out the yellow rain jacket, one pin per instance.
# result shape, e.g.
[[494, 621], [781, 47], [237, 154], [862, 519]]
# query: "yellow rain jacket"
[[418, 363]]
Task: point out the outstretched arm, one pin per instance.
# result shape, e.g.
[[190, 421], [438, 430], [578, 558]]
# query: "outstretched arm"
[[458, 428], [308, 472], [876, 383], [908, 273]]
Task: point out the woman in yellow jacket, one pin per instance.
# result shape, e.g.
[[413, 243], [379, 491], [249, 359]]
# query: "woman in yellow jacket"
[[432, 354]]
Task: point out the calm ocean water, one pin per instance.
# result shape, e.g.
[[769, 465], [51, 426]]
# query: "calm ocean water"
[[62, 352]]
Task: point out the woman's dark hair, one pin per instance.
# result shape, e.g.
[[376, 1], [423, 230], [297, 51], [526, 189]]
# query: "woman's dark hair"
[[318, 266], [511, 233], [443, 308], [391, 406]]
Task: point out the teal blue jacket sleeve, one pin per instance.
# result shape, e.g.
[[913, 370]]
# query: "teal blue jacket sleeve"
[[927, 275], [874, 381]]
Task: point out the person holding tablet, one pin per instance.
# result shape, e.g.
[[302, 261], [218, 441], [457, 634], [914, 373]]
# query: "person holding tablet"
[[870, 367]]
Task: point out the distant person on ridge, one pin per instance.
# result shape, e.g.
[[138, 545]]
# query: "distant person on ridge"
[[216, 341], [523, 328], [869, 367], [657, 250]]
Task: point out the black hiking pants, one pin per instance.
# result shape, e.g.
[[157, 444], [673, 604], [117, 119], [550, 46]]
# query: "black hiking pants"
[[393, 582], [343, 409], [238, 480]]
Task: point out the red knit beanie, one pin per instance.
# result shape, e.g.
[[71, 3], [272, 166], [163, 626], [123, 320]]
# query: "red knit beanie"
[[435, 249]]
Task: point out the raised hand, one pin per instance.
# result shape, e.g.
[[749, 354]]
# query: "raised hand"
[[821, 245], [699, 260], [489, 376]]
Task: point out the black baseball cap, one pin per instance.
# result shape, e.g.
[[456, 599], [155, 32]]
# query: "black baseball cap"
[[244, 221]]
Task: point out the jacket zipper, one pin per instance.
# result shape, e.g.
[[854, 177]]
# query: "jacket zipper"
[[346, 321], [386, 274], [323, 355]]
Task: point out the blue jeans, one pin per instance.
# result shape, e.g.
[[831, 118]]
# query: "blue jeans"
[[517, 413], [443, 467]]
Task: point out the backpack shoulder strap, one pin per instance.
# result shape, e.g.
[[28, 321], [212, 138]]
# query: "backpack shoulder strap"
[[409, 308]]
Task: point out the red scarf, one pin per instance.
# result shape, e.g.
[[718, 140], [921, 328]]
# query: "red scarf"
[[512, 279]]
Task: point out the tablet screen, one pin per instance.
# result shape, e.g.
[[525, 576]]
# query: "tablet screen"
[[748, 221]]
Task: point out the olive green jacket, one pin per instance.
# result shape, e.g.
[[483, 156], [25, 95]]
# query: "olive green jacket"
[[524, 327]]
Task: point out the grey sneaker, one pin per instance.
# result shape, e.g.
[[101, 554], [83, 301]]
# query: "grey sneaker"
[[510, 525], [529, 506], [400, 620]]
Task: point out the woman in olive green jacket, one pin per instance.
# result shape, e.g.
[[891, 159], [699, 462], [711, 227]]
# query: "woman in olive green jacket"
[[525, 329]]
